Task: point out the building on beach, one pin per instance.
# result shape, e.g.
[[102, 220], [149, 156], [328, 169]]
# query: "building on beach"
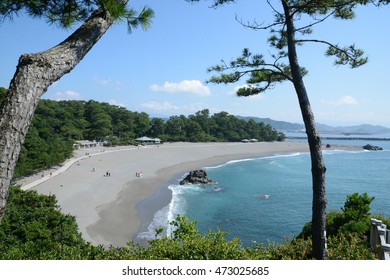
[[146, 140], [84, 144]]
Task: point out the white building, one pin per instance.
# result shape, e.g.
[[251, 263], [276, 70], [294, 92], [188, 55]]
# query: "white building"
[[85, 144], [147, 140]]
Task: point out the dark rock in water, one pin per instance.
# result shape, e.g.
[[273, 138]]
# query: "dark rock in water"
[[197, 177], [328, 146], [372, 148]]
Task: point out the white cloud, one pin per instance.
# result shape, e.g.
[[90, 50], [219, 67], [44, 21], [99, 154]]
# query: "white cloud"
[[187, 86], [345, 100], [66, 95], [118, 85], [116, 103], [107, 82], [325, 114], [171, 109], [102, 82], [156, 106]]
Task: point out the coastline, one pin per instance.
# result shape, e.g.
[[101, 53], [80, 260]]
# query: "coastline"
[[111, 210]]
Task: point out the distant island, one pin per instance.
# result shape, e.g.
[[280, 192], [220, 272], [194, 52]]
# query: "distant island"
[[58, 125], [283, 126]]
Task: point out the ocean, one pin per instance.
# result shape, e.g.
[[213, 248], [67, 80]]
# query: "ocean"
[[269, 199]]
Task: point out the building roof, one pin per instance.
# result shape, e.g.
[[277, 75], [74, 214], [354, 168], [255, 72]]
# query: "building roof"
[[85, 142], [144, 138], [147, 139]]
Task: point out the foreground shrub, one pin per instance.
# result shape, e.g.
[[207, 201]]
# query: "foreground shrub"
[[34, 228], [187, 243], [354, 217], [351, 246]]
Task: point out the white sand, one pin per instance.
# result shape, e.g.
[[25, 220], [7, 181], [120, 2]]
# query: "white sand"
[[106, 206]]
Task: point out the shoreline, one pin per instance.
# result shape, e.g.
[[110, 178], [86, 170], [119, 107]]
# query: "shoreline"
[[112, 210]]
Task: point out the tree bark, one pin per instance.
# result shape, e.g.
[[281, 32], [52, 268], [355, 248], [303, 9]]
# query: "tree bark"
[[34, 74], [317, 163]]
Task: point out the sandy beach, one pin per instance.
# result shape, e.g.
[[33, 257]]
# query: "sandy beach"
[[100, 188]]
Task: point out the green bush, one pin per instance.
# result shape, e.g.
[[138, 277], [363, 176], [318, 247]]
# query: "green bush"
[[34, 228], [350, 246], [186, 243], [356, 212], [354, 217]]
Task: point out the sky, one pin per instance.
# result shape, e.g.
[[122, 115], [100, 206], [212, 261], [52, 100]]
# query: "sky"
[[163, 71]]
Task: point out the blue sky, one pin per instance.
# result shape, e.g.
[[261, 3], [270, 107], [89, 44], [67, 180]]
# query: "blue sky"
[[163, 71]]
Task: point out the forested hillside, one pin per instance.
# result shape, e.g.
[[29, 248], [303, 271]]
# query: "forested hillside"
[[57, 124]]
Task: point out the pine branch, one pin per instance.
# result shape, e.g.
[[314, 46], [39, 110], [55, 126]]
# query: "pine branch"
[[344, 56]]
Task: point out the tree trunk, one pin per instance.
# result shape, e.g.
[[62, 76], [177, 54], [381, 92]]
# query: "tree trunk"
[[34, 74], [317, 163]]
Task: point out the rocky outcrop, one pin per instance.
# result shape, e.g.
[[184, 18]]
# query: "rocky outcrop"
[[197, 177], [372, 148]]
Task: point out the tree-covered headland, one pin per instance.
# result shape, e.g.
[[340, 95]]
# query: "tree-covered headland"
[[56, 125]]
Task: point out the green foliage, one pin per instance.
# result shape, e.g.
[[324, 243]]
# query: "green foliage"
[[341, 9], [354, 218], [42, 150], [187, 243], [63, 12], [66, 13], [57, 124], [99, 121], [349, 246], [347, 56], [262, 76], [297, 249], [263, 73], [34, 228], [356, 213], [143, 19], [357, 207]]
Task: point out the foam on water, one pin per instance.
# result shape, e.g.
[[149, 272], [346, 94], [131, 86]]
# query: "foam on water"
[[164, 216], [251, 159], [239, 206], [160, 220]]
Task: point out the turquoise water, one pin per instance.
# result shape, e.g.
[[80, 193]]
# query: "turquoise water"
[[268, 199]]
